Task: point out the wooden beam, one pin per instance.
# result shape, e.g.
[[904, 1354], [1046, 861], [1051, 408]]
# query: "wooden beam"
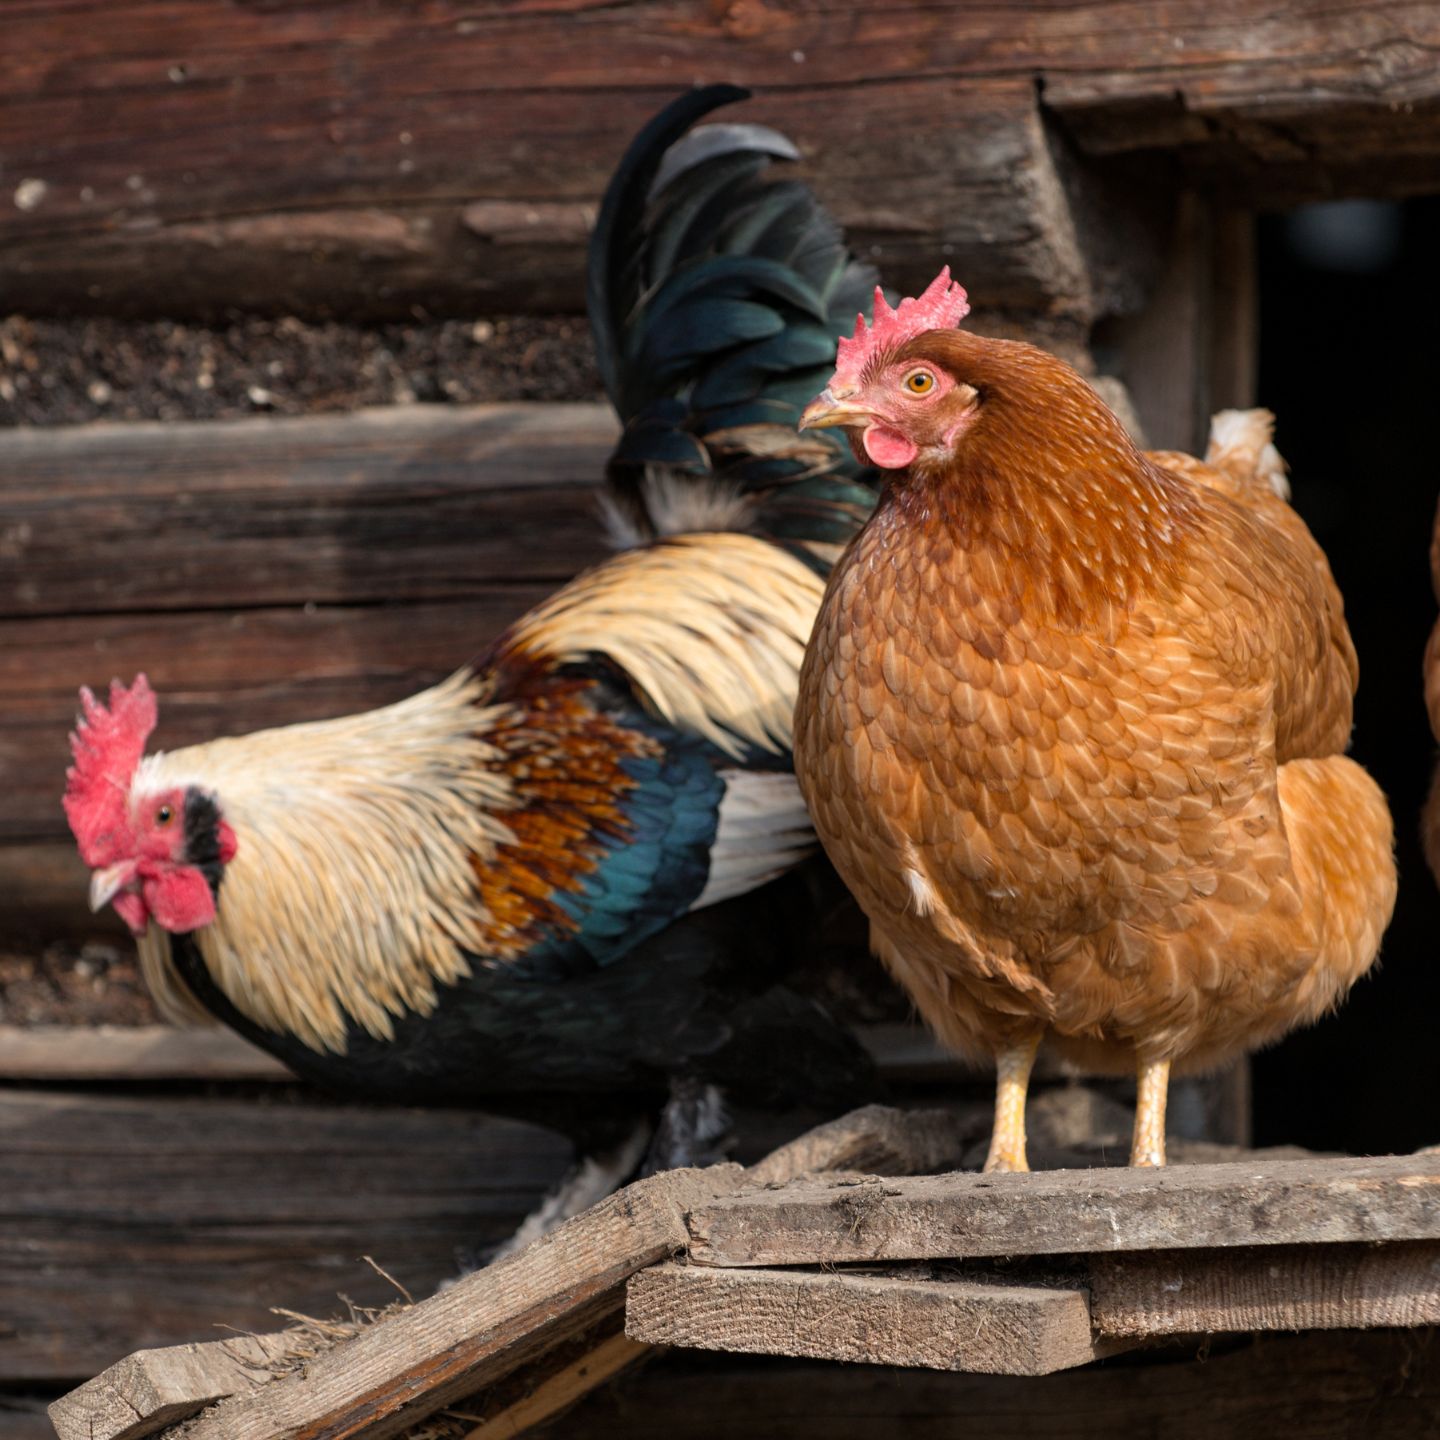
[[1275, 1288], [990, 1329], [1261, 1202], [152, 1389], [132, 1223], [403, 503], [188, 155], [126, 1054]]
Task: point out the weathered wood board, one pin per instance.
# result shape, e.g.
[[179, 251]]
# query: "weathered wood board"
[[401, 503], [152, 1389], [1325, 1287], [128, 1054], [1254, 1202], [985, 1328], [194, 155], [130, 1223]]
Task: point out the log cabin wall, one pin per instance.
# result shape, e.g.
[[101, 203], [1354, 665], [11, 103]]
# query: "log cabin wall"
[[1089, 169]]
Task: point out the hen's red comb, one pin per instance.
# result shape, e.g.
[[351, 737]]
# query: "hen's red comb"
[[107, 746], [942, 307]]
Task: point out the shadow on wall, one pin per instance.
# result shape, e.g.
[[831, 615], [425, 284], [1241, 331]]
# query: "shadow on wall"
[[1349, 314]]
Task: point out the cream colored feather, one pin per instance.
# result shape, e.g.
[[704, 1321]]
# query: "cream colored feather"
[[366, 822], [712, 628]]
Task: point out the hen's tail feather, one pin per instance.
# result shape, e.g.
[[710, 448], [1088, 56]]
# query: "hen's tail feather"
[[716, 294], [1241, 442]]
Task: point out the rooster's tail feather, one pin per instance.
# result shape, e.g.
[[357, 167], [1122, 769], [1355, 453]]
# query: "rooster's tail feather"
[[716, 295]]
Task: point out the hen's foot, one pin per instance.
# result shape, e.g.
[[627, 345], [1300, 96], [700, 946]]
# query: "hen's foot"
[[1147, 1149], [1012, 1080]]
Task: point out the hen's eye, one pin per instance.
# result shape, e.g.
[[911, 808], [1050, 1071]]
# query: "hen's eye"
[[164, 815], [920, 382]]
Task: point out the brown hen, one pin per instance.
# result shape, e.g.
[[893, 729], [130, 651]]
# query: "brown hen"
[[1071, 722]]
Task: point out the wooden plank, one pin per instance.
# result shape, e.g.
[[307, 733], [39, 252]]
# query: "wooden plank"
[[152, 1389], [130, 1053], [1378, 1384], [405, 503], [408, 1366], [1276, 1288], [127, 1053], [1257, 1202], [135, 1223], [989, 1329], [188, 154]]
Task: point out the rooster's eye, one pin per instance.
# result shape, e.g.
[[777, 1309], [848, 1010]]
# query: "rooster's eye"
[[164, 815], [920, 382]]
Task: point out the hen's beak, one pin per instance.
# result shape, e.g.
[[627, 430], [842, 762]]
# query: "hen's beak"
[[105, 885], [828, 409]]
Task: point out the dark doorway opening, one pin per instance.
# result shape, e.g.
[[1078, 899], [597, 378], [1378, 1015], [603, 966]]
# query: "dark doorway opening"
[[1349, 325]]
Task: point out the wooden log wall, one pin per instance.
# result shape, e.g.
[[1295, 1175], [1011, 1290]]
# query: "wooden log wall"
[[315, 157], [128, 1222], [1080, 166]]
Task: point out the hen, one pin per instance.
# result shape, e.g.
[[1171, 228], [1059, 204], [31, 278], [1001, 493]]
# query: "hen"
[[1071, 721], [539, 886]]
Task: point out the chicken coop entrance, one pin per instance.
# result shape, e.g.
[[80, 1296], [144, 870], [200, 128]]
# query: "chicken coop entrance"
[[1348, 306]]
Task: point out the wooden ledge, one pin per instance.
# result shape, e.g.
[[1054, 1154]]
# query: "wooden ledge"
[[1259, 1202]]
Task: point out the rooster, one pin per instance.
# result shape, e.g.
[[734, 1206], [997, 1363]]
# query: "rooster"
[[542, 886], [1071, 721]]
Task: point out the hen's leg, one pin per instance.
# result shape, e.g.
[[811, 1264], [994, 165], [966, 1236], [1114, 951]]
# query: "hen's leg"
[[1152, 1087], [1012, 1080]]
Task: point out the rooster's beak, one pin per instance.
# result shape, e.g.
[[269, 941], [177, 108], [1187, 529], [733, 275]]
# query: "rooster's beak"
[[828, 409], [105, 885]]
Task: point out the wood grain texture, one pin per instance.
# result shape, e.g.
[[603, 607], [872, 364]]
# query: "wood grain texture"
[[485, 1326], [190, 156], [129, 1053], [407, 503], [1282, 1288], [1333, 1386], [991, 1329], [1260, 1202], [133, 1223], [152, 1389]]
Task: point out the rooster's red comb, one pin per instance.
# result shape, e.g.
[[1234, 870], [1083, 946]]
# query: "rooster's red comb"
[[943, 306], [107, 746]]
